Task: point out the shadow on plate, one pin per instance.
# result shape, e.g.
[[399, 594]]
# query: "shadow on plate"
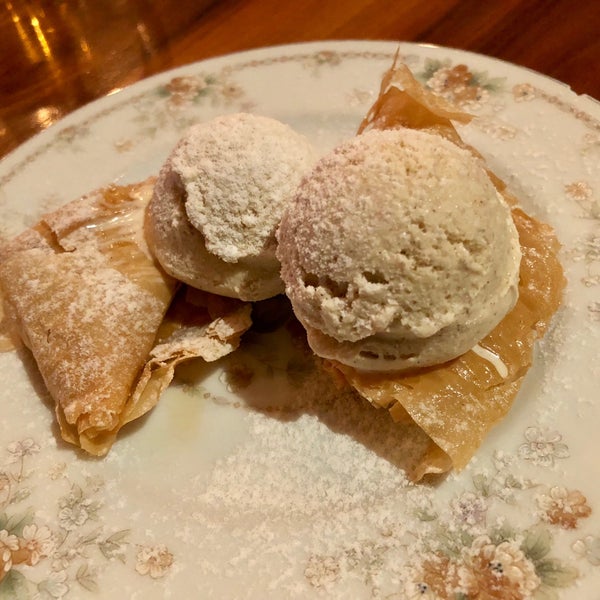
[[275, 373]]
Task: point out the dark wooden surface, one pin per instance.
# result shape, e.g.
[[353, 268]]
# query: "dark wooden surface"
[[56, 55]]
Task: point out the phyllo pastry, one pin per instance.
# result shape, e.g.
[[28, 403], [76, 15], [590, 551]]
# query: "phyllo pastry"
[[85, 295], [419, 280]]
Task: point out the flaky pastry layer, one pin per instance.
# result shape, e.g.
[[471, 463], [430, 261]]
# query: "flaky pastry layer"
[[457, 403]]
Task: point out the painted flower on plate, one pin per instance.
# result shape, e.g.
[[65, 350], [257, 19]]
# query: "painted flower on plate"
[[578, 190], [523, 92], [458, 85], [183, 89], [75, 510], [231, 91], [65, 557], [499, 571], [37, 542], [20, 449], [482, 570], [564, 507], [543, 448], [9, 543], [588, 548], [154, 561], [438, 579], [55, 586], [470, 508]]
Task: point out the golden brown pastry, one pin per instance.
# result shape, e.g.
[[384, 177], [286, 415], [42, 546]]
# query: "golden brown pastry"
[[88, 299], [455, 403]]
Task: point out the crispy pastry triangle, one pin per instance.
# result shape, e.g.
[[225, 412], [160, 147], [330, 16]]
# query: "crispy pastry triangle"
[[457, 403], [87, 298]]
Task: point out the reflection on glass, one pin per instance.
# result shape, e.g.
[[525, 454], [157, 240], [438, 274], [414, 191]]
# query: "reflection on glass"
[[46, 115], [39, 34], [21, 23], [85, 38], [60, 54]]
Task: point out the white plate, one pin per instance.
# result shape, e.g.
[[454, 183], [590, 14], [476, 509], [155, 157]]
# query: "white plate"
[[276, 490]]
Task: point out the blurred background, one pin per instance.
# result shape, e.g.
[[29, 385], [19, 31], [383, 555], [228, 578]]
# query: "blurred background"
[[56, 55]]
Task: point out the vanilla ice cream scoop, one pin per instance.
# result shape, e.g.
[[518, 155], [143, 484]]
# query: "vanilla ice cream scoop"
[[218, 200], [397, 252]]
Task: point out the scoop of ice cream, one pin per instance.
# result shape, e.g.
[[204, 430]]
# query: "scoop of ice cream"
[[218, 201], [397, 252]]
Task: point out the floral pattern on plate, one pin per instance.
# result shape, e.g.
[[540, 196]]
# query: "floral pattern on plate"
[[68, 552], [255, 479]]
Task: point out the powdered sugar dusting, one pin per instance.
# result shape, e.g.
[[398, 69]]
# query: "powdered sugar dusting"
[[238, 172], [311, 474]]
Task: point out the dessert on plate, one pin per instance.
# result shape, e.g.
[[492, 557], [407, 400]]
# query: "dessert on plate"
[[398, 252], [419, 280], [84, 294], [417, 276], [218, 201]]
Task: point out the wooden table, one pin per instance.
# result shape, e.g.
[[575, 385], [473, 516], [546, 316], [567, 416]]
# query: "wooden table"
[[56, 55]]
